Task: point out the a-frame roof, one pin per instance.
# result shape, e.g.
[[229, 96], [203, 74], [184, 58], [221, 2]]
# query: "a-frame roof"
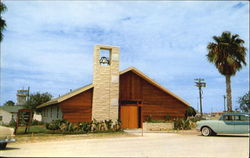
[[148, 79], [85, 88]]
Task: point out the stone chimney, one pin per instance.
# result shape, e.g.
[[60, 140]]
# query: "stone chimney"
[[106, 83]]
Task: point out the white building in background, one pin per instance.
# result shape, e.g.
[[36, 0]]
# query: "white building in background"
[[22, 96], [7, 113]]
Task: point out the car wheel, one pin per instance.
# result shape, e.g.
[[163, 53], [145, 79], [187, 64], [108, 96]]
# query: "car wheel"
[[3, 145], [206, 131]]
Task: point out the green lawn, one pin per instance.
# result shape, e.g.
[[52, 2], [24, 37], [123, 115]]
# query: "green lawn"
[[39, 133], [33, 129]]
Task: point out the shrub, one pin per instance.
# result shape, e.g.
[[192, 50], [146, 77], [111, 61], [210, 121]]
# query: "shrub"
[[168, 117], [84, 127], [109, 124], [66, 126], [182, 124], [117, 126], [190, 112], [12, 123], [54, 125], [149, 119]]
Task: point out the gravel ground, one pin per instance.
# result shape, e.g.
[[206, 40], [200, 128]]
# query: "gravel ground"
[[181, 144]]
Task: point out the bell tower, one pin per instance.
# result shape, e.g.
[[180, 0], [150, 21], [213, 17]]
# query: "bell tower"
[[106, 83]]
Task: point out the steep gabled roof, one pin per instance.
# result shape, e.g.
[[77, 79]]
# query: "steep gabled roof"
[[82, 89], [66, 96], [148, 79]]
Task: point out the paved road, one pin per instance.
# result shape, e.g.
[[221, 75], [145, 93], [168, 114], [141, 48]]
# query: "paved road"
[[150, 145]]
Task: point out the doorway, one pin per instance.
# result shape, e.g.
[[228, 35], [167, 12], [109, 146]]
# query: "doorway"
[[129, 116]]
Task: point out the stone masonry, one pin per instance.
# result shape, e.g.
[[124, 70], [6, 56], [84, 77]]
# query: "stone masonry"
[[106, 85], [158, 126]]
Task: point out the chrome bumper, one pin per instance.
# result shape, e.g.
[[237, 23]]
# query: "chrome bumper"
[[7, 140], [198, 129]]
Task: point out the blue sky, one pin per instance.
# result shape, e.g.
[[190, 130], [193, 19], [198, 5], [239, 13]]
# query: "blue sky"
[[48, 45]]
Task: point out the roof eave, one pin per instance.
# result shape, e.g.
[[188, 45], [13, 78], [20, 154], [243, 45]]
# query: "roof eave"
[[66, 96]]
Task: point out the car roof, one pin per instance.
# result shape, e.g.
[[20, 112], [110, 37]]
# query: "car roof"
[[236, 113]]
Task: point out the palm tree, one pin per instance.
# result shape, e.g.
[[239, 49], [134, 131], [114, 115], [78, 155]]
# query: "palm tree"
[[2, 21], [228, 54]]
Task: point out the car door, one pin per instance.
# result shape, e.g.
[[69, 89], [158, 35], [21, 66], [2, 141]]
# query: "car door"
[[241, 123], [226, 124]]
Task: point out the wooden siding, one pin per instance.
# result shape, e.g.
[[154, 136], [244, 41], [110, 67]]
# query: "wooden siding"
[[78, 108], [155, 102], [130, 87], [133, 90]]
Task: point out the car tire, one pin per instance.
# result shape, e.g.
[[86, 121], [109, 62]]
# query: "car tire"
[[213, 133], [3, 145], [206, 131]]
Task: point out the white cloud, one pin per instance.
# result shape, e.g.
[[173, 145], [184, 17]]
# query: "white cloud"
[[49, 45]]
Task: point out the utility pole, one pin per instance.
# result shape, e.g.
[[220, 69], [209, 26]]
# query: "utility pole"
[[200, 84], [198, 104], [224, 102]]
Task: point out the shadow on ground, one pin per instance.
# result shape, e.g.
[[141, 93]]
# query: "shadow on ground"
[[219, 135], [9, 148], [232, 136]]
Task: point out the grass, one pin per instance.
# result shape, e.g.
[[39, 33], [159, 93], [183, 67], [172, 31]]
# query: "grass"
[[33, 129], [41, 134]]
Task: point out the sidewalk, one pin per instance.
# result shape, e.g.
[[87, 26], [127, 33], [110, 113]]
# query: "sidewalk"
[[139, 131]]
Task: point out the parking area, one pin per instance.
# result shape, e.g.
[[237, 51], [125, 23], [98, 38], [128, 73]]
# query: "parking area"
[[148, 145]]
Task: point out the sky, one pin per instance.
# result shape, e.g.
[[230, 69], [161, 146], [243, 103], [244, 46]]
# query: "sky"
[[48, 45]]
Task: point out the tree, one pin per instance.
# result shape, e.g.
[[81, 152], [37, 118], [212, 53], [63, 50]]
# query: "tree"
[[2, 21], [190, 111], [228, 55], [9, 103], [244, 102], [37, 99]]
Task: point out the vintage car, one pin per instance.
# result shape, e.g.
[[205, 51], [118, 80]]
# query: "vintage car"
[[6, 136], [228, 123]]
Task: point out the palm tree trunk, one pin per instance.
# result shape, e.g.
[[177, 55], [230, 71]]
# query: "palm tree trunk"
[[228, 90]]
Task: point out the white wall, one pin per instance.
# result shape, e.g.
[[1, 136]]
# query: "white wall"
[[6, 117], [37, 117]]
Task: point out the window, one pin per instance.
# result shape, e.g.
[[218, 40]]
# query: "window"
[[237, 118], [244, 117], [228, 118], [51, 108], [1, 118], [57, 114]]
